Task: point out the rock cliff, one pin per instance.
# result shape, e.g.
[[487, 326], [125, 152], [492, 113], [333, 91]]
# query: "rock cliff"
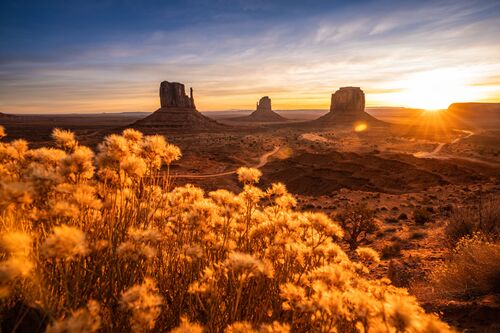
[[347, 108], [177, 111], [263, 113]]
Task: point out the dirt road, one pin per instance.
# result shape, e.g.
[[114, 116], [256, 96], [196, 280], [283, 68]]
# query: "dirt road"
[[262, 161], [437, 150]]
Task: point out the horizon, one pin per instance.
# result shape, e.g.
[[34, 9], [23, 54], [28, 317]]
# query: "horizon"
[[93, 57]]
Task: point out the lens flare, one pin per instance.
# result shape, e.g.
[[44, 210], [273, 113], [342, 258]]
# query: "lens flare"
[[360, 127]]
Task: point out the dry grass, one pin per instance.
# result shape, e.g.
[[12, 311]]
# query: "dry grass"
[[482, 217], [472, 269], [103, 242]]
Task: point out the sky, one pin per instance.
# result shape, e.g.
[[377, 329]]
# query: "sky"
[[110, 56]]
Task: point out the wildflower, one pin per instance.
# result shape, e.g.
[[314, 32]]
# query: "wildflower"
[[65, 242], [247, 265], [47, 156], [134, 166], [275, 327], [64, 209], [285, 201], [135, 251], [144, 235], [240, 327], [111, 151], [15, 267], [64, 139], [16, 243], [368, 254], [20, 148], [251, 194], [144, 302], [83, 320], [248, 175], [132, 135], [172, 153], [277, 189], [153, 148], [84, 196], [2, 132], [15, 193], [187, 327], [78, 165], [322, 223]]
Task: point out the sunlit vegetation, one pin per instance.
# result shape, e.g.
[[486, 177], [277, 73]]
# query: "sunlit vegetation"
[[104, 242], [472, 269]]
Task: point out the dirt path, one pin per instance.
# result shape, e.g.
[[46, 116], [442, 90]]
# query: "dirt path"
[[437, 150], [264, 158]]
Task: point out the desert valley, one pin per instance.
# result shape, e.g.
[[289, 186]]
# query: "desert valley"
[[249, 166], [414, 169]]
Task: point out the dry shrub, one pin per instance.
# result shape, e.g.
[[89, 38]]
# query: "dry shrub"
[[483, 217], [421, 216], [358, 222], [103, 242], [392, 250], [472, 269]]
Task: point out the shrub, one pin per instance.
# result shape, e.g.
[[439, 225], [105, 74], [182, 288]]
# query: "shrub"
[[418, 235], [391, 251], [472, 269], [421, 216], [103, 242], [391, 220], [402, 216], [483, 217], [358, 222]]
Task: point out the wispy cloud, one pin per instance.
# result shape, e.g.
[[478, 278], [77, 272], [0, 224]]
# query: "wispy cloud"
[[238, 55]]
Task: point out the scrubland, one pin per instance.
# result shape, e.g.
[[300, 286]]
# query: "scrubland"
[[104, 242]]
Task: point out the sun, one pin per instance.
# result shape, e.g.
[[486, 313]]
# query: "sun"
[[436, 89]]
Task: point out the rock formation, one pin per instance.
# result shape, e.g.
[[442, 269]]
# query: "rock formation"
[[263, 113], [172, 94], [348, 100], [177, 111], [347, 108]]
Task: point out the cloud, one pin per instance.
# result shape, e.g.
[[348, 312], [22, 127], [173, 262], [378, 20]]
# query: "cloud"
[[299, 57]]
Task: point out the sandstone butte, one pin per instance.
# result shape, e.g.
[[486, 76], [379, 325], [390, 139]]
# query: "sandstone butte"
[[177, 111]]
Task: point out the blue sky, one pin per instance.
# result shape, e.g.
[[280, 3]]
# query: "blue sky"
[[109, 56]]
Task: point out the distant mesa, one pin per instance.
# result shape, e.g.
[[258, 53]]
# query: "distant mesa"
[[472, 115], [7, 116], [177, 111], [347, 108], [263, 113]]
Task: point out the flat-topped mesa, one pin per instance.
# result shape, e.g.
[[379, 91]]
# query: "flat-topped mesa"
[[263, 113], [177, 112], [172, 94], [347, 109], [349, 100], [264, 104]]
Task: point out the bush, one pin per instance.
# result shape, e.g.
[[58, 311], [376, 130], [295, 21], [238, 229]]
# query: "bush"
[[484, 217], [421, 216], [391, 251], [402, 216], [357, 222], [105, 243], [391, 220], [471, 270]]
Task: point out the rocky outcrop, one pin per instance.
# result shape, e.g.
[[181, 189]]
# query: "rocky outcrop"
[[347, 108], [264, 105], [263, 113], [172, 94], [348, 100], [177, 111]]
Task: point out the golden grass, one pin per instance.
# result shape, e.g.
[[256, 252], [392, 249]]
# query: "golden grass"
[[102, 242]]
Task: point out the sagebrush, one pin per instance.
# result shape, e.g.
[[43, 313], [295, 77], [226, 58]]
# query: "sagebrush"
[[104, 242]]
